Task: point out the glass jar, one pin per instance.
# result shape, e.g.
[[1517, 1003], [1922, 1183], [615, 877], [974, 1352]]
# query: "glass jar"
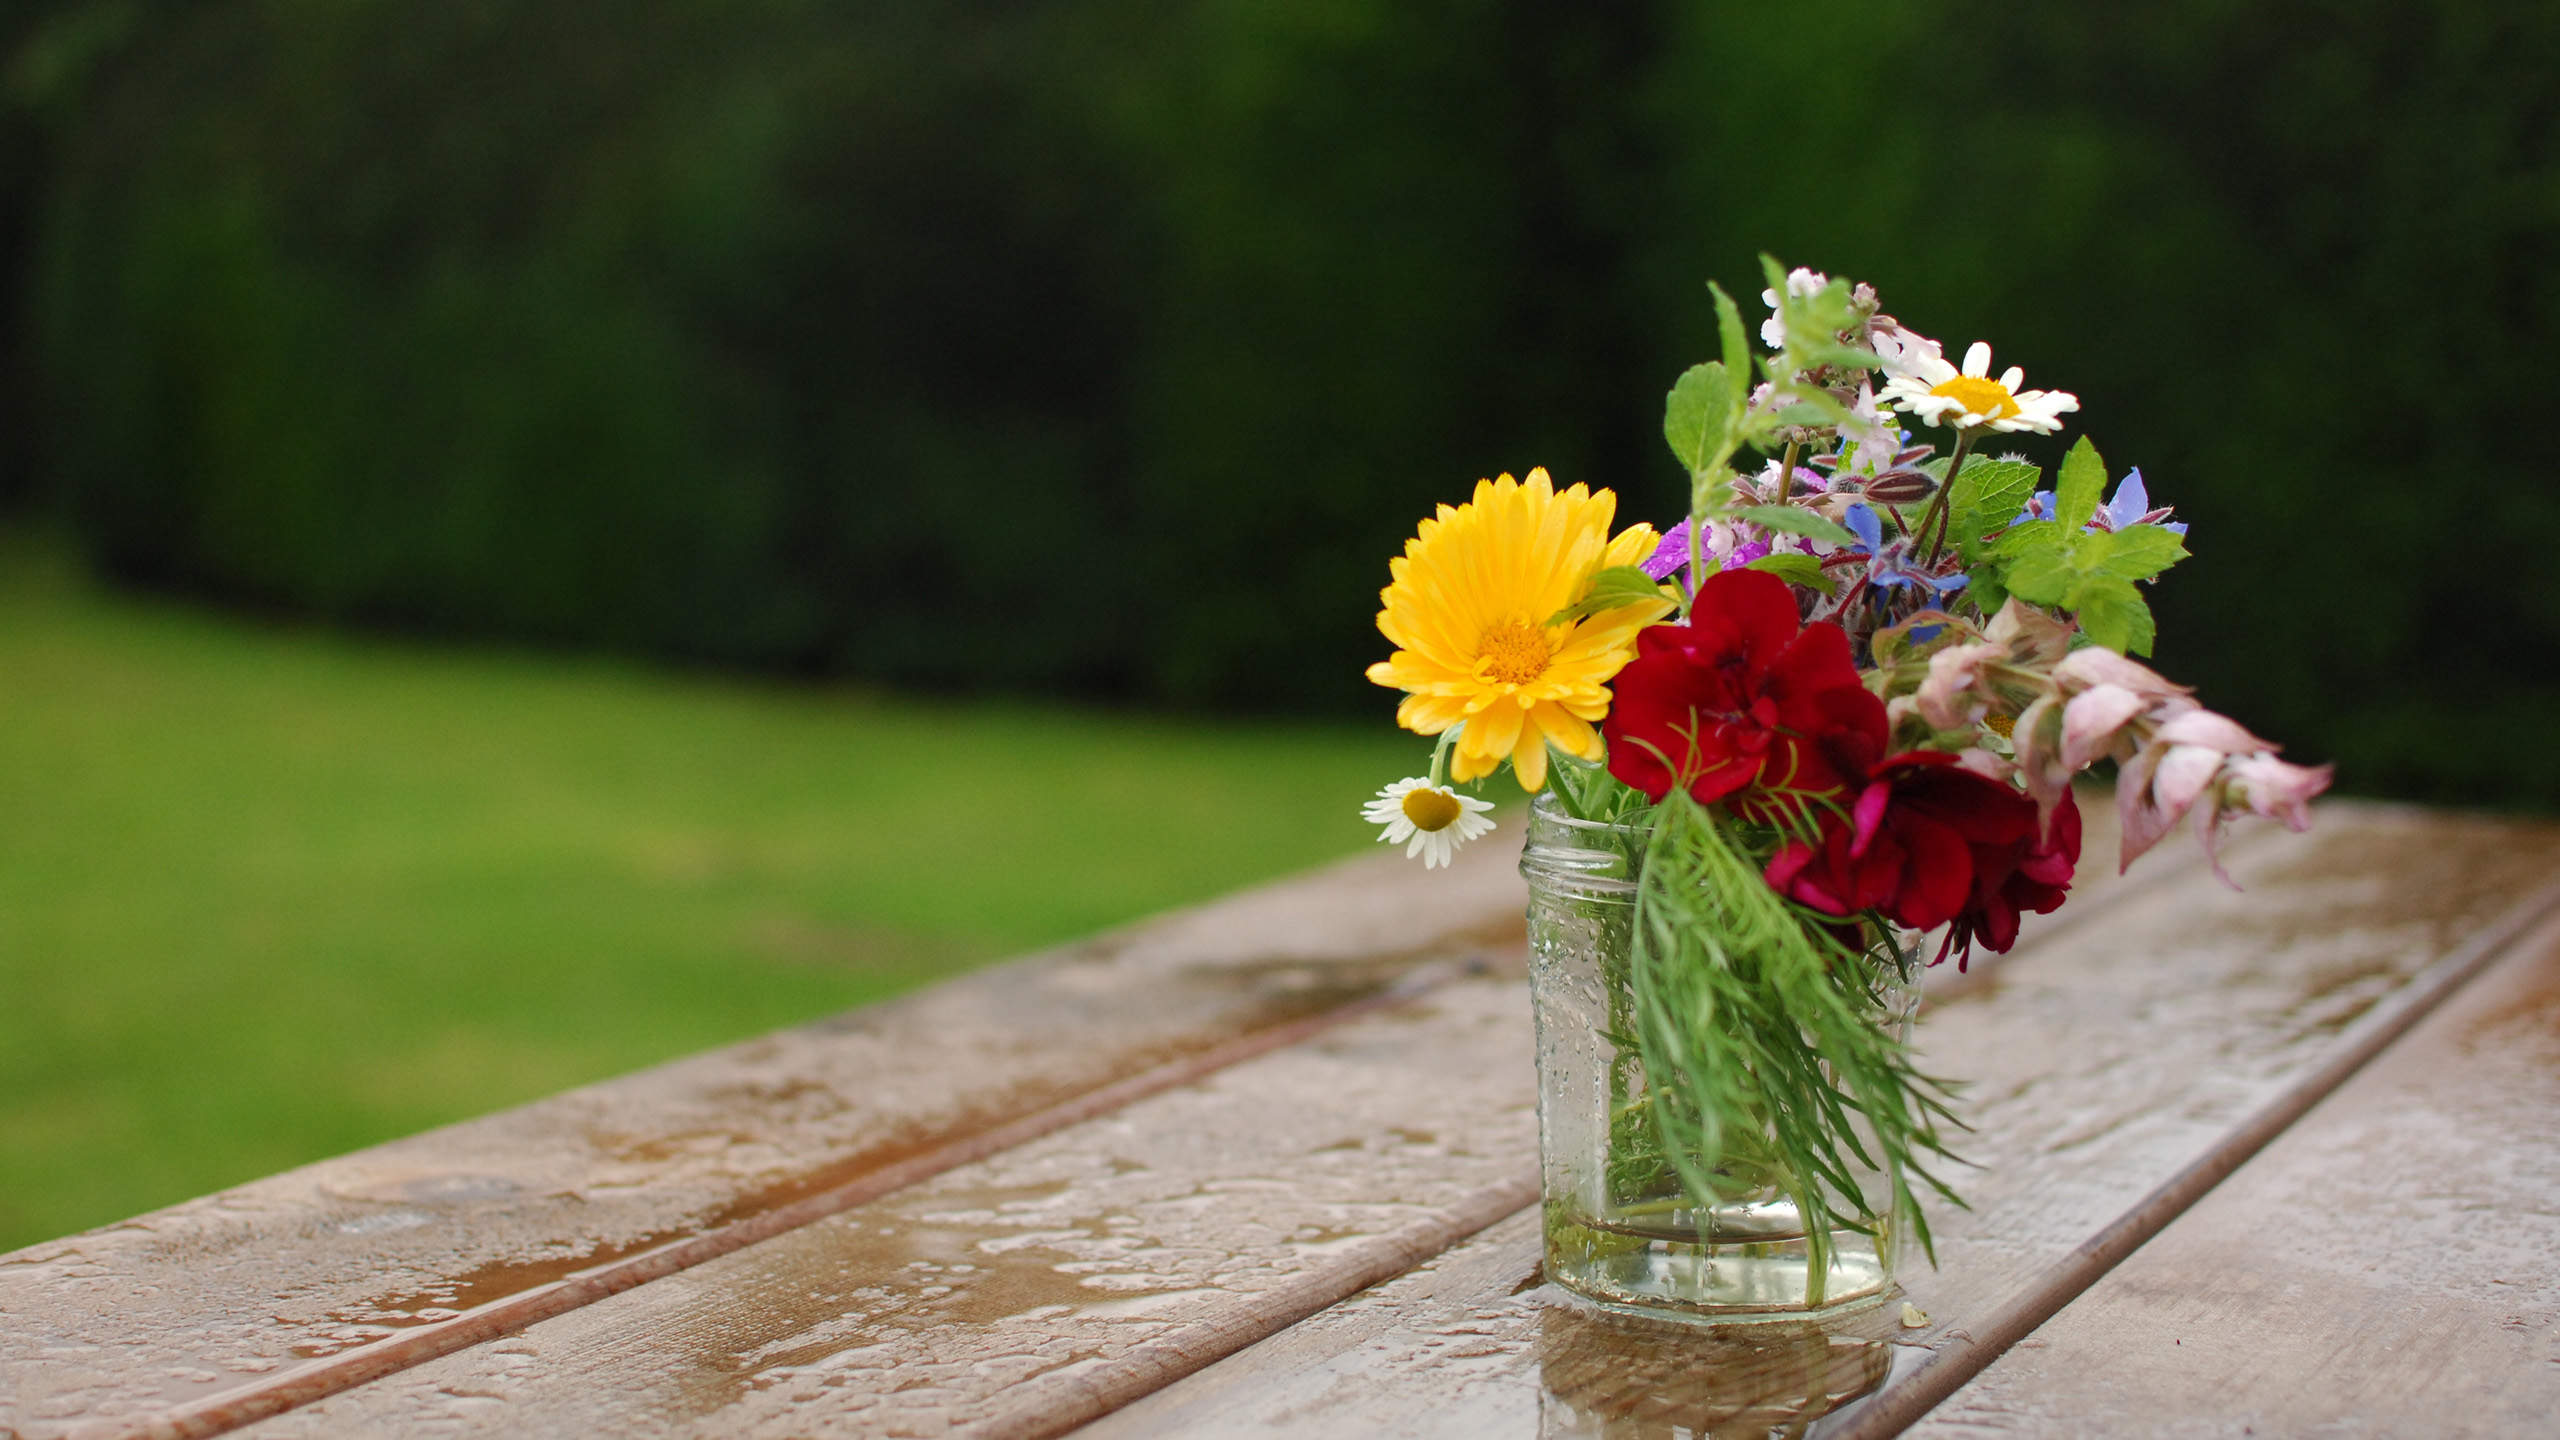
[[1622, 1229]]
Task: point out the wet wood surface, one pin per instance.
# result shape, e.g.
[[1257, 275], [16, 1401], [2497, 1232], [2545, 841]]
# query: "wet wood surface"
[[1146, 1253], [2104, 1065], [192, 1319], [1049, 1283], [2389, 1266], [1260, 1168]]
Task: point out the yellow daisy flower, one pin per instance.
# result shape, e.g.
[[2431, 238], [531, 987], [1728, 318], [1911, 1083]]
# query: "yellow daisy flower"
[[1468, 611]]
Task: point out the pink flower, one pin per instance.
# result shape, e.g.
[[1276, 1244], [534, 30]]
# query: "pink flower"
[[2194, 759], [2277, 789], [2033, 637], [2038, 739], [2094, 665], [2260, 784], [1946, 699], [2091, 720]]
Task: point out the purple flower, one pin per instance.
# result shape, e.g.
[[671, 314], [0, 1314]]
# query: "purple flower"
[[1672, 555], [1727, 545]]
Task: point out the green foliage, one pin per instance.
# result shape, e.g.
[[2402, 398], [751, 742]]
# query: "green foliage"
[[1699, 415], [1795, 570], [844, 339], [2055, 563], [1988, 495], [1611, 588], [1762, 1038], [1797, 520], [1734, 345], [2112, 613], [2077, 489], [2046, 562]]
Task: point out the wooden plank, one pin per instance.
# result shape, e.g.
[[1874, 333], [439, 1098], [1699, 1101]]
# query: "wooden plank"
[[2390, 1266], [1470, 1343], [207, 1315], [203, 1315], [732, 1347], [1252, 1127], [1051, 1282], [2127, 1053]]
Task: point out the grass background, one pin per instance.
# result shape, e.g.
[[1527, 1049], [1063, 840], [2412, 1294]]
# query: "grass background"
[[268, 893]]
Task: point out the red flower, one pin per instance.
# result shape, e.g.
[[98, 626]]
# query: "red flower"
[[1743, 697], [2031, 873], [1929, 843]]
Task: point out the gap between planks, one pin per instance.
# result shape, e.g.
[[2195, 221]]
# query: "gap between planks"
[[2389, 1265], [499, 1318], [2350, 919], [325, 1376], [1965, 1354]]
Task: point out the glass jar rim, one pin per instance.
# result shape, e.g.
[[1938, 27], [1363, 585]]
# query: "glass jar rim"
[[1548, 810], [1591, 860]]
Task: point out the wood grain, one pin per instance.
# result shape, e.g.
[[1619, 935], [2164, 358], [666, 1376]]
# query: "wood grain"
[[2390, 1266], [1272, 1138], [1049, 1283], [202, 1317], [2101, 1065], [197, 1317]]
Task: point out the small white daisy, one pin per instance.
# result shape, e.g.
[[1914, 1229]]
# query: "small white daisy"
[[1431, 821], [1938, 393]]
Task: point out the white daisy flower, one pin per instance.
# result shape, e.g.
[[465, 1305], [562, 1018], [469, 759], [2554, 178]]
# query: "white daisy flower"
[[1429, 820], [1800, 282], [1937, 392]]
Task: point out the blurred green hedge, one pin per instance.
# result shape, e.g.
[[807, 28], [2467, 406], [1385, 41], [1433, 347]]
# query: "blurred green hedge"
[[1109, 347]]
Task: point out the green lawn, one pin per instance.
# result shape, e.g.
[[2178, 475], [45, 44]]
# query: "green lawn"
[[270, 893]]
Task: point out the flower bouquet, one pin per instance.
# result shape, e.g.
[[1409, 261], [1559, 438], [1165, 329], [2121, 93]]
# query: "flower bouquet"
[[1834, 709]]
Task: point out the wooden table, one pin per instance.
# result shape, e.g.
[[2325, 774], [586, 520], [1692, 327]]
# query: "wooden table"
[[2283, 1161]]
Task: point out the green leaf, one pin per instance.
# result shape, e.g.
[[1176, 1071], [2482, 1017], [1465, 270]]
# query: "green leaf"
[[1795, 570], [1737, 348], [1988, 495], [1988, 591], [1611, 589], [1698, 416], [1796, 520], [2045, 563], [2137, 552], [2033, 538], [2112, 613], [2076, 488], [2042, 576]]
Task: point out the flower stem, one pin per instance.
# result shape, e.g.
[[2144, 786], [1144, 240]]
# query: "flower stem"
[[1938, 506], [1440, 753]]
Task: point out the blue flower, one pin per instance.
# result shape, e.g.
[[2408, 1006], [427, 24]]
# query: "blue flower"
[[1892, 565], [2128, 507], [2131, 506], [1869, 530]]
